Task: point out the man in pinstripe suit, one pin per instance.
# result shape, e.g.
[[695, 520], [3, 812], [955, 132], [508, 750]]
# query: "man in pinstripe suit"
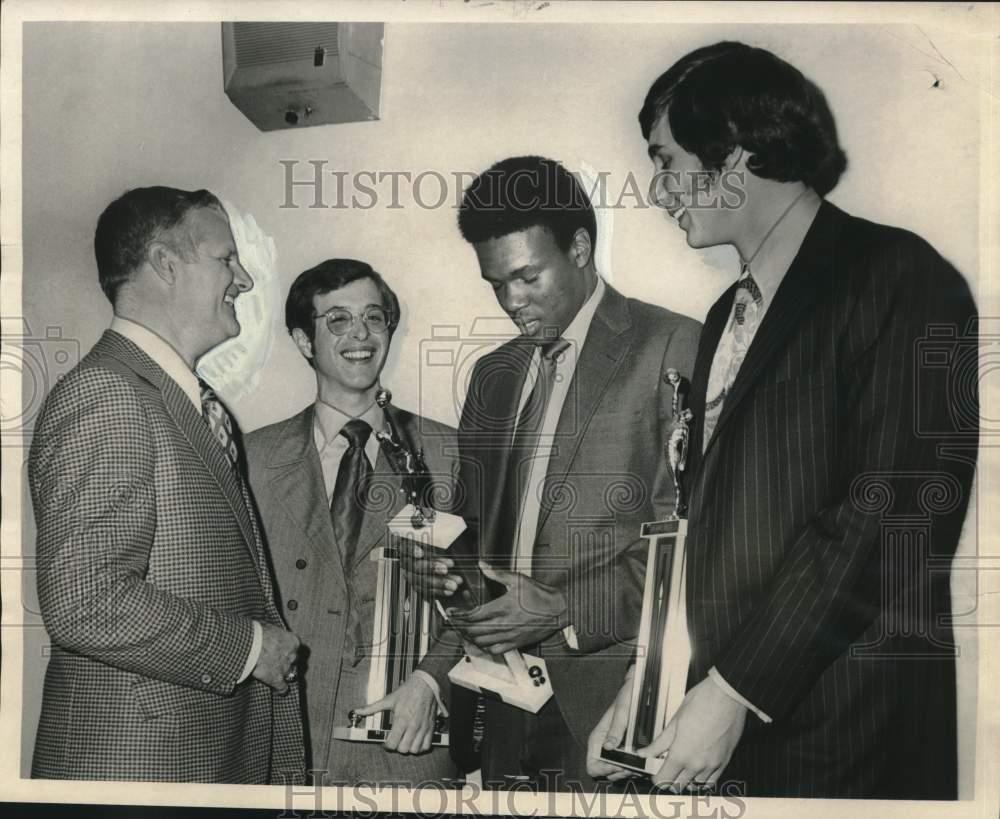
[[169, 658], [828, 486]]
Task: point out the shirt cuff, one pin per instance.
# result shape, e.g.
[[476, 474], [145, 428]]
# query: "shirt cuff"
[[732, 692], [255, 646], [435, 688], [569, 634]]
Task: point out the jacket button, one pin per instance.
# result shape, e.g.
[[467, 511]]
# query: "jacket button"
[[300, 563], [206, 679], [293, 604]]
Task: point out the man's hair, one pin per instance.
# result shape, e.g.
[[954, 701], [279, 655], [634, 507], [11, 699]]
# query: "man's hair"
[[325, 278], [730, 94], [524, 192], [133, 221]]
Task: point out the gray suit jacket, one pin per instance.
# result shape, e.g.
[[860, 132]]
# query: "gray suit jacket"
[[150, 571], [607, 476], [329, 604]]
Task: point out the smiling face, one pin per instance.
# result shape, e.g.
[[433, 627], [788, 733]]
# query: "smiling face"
[[209, 279], [347, 366], [538, 285], [689, 192]]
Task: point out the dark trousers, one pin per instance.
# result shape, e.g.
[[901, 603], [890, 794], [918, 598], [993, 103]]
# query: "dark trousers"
[[532, 751]]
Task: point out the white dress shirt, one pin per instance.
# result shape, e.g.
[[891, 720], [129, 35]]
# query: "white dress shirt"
[[170, 361]]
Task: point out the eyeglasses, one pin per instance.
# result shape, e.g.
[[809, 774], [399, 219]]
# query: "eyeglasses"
[[339, 320]]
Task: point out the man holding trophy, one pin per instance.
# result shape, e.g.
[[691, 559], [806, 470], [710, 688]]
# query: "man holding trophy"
[[827, 485], [560, 439], [328, 483]]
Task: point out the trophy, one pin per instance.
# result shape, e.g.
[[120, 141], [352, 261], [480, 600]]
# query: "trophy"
[[405, 621], [662, 645], [515, 678], [518, 679]]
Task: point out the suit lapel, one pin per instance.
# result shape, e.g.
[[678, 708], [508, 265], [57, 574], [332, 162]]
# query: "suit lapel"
[[295, 478], [194, 428], [606, 344], [492, 404], [805, 280], [191, 424]]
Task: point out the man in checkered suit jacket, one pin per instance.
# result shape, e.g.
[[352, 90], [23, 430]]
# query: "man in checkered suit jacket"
[[169, 659]]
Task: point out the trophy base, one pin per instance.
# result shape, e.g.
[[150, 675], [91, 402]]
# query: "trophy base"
[[631, 760], [521, 680], [362, 734]]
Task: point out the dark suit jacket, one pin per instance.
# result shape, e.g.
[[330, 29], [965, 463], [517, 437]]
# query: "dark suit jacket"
[[606, 477], [150, 571], [327, 603], [824, 514]]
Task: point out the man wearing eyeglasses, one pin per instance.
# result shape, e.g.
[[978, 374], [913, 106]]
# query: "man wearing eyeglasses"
[[308, 472]]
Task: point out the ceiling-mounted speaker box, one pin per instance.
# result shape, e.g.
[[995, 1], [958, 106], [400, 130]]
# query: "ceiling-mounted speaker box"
[[293, 75]]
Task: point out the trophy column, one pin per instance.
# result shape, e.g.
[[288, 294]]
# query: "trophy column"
[[405, 621], [662, 651]]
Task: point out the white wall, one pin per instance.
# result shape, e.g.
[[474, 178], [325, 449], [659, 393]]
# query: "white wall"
[[113, 106]]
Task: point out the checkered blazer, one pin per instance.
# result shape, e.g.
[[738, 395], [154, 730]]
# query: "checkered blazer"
[[150, 571]]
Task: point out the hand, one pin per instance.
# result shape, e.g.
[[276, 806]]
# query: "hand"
[[528, 613], [279, 650], [700, 738], [414, 710], [609, 732], [428, 573]]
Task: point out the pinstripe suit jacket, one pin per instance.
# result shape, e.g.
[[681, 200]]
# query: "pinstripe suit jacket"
[[607, 475], [824, 514], [150, 570], [329, 604]]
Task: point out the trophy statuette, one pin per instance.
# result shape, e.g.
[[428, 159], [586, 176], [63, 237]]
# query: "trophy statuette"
[[658, 685], [405, 620]]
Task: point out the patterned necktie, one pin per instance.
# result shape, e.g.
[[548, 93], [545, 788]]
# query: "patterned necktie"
[[524, 445], [219, 423], [347, 508], [748, 307]]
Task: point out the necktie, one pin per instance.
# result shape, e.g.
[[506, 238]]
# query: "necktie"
[[748, 307], [219, 423], [523, 446], [347, 508]]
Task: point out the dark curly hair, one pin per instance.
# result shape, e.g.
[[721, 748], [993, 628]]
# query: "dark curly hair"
[[730, 94], [523, 192]]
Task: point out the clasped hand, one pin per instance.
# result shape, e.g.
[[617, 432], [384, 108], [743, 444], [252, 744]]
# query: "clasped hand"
[[431, 574], [697, 743], [527, 614], [279, 651]]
